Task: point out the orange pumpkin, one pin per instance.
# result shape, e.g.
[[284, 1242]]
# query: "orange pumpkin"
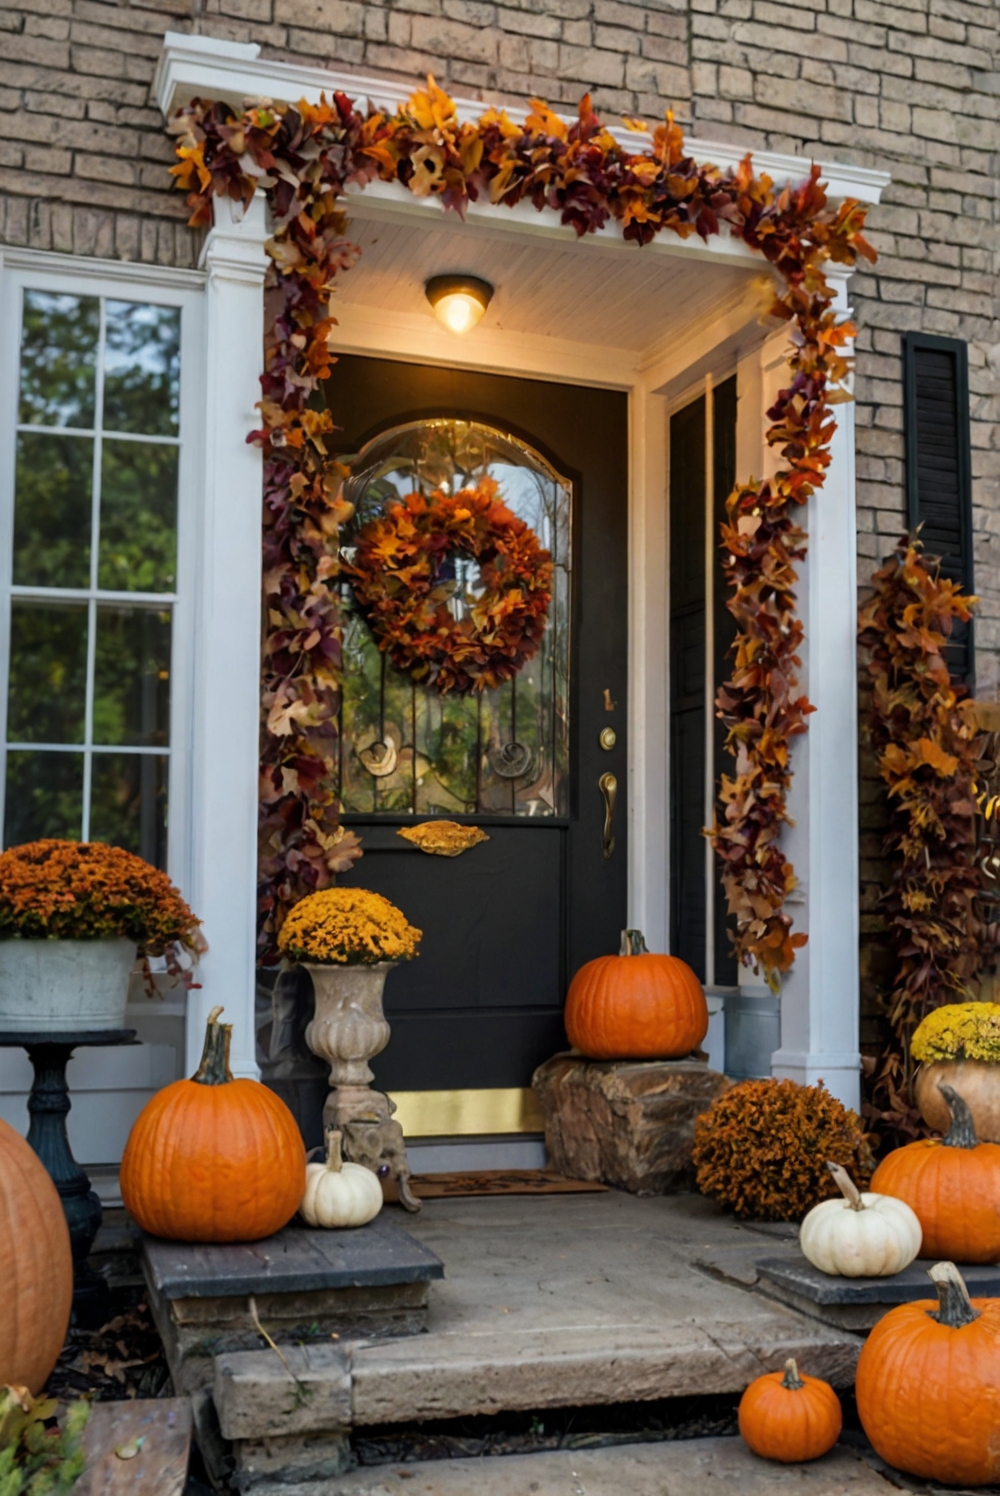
[[36, 1266], [213, 1158], [928, 1385], [636, 1006], [789, 1417], [953, 1186]]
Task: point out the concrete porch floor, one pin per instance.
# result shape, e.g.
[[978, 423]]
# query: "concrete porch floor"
[[577, 1300], [694, 1467]]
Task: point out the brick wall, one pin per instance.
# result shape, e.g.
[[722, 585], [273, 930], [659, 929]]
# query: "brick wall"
[[909, 87]]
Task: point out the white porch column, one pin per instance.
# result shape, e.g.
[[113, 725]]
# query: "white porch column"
[[819, 1000], [227, 663]]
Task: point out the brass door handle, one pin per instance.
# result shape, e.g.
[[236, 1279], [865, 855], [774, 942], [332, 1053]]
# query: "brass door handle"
[[608, 786]]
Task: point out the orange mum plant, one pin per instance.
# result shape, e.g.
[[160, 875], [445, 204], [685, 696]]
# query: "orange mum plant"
[[304, 157], [347, 927], [62, 890]]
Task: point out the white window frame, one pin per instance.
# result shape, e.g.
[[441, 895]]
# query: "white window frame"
[[22, 270]]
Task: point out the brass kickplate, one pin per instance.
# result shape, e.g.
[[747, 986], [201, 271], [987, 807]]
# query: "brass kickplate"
[[442, 1114]]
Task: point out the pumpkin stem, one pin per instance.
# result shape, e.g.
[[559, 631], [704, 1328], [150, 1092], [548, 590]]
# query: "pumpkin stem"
[[633, 944], [334, 1154], [962, 1132], [791, 1379], [846, 1185], [214, 1068], [954, 1305]]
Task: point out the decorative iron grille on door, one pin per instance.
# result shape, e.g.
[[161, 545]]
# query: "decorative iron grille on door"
[[410, 750]]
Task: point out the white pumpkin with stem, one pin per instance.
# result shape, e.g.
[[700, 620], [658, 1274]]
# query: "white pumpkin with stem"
[[339, 1193], [860, 1235]]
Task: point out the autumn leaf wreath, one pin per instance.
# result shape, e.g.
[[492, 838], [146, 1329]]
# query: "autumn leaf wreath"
[[403, 581]]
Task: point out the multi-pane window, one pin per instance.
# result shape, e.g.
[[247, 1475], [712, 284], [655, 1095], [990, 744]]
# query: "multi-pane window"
[[93, 572]]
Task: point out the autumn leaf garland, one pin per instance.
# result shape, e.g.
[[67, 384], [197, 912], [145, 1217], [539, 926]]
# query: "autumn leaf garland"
[[304, 157], [926, 740]]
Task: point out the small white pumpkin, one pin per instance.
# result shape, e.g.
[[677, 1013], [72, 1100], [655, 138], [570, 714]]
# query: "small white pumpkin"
[[339, 1193], [860, 1236]]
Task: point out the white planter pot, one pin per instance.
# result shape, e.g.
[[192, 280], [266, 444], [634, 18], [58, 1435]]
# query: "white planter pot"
[[46, 985]]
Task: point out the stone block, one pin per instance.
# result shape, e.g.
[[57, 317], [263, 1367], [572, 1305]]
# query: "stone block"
[[858, 1303], [625, 1123], [305, 1285], [293, 1465], [257, 1396]]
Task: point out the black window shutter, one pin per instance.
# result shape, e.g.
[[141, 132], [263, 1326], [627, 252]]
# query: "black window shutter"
[[939, 466]]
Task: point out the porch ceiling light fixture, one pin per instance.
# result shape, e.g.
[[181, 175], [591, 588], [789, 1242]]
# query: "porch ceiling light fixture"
[[459, 301]]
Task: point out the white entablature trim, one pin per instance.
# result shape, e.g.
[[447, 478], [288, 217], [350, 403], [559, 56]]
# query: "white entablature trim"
[[144, 275], [206, 67]]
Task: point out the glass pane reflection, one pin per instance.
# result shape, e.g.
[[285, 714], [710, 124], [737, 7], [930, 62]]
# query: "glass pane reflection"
[[138, 536], [52, 510], [58, 359], [128, 803], [141, 368], [44, 796], [48, 672], [132, 677], [500, 752]]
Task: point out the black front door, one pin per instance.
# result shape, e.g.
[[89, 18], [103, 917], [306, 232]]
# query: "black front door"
[[507, 922]]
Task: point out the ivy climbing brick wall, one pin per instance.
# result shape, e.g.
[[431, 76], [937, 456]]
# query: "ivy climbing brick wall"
[[909, 87]]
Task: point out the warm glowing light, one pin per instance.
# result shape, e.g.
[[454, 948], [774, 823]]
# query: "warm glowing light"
[[459, 301]]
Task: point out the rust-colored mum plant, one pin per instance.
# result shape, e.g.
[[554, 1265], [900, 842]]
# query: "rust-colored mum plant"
[[304, 157], [762, 1148], [63, 890], [927, 744]]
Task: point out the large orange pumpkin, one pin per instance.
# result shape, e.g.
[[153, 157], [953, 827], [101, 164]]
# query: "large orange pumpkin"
[[789, 1417], [36, 1266], [953, 1186], [928, 1385], [636, 1006], [213, 1158]]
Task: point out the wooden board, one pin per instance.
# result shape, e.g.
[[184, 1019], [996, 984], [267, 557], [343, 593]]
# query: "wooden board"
[[500, 1182], [162, 1428]]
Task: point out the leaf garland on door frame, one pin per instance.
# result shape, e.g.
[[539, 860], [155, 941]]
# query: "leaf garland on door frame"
[[304, 157]]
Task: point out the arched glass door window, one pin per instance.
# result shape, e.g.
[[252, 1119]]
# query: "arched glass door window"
[[406, 749]]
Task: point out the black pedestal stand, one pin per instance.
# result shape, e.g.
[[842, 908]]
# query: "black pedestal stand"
[[48, 1105]]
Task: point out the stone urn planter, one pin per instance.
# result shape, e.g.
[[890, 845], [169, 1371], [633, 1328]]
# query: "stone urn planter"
[[348, 1026], [978, 1084], [48, 985], [348, 940]]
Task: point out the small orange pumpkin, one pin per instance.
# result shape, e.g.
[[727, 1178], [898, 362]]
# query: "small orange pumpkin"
[[636, 1006], [788, 1417], [953, 1186], [213, 1158], [36, 1266], [928, 1387]]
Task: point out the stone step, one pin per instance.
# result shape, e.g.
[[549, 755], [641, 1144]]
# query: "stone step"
[[692, 1467]]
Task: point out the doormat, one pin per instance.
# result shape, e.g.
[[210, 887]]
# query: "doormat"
[[500, 1182]]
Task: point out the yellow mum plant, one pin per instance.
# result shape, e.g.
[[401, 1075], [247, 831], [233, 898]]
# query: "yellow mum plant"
[[959, 1031], [347, 926]]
